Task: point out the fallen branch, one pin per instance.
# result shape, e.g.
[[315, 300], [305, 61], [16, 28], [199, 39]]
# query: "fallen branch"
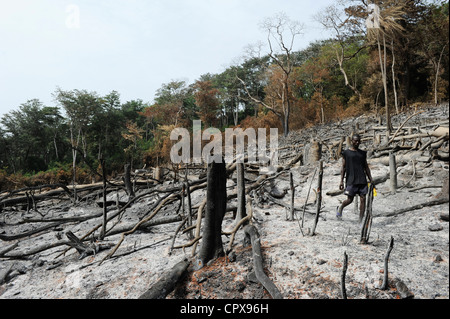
[[157, 209], [401, 126], [5, 272], [438, 201], [29, 233], [166, 284], [252, 232]]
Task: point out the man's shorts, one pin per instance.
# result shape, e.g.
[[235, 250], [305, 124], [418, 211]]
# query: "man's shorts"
[[357, 189]]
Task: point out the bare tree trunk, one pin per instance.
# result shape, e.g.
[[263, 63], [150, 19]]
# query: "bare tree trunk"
[[384, 78], [189, 210], [340, 59], [367, 223], [386, 261], [393, 77], [127, 181], [216, 204], [393, 172], [437, 76], [343, 275], [103, 231], [291, 180], [241, 212], [319, 197]]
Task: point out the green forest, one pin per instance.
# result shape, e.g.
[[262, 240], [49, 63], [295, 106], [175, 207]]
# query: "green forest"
[[400, 62]]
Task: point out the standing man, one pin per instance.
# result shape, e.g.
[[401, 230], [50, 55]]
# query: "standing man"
[[355, 169]]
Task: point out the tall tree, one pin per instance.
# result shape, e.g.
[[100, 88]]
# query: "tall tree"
[[206, 98], [345, 29], [383, 24], [80, 106], [281, 35], [31, 136], [433, 32]]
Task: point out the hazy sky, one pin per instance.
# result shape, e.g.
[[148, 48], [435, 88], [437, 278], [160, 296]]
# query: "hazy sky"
[[131, 46]]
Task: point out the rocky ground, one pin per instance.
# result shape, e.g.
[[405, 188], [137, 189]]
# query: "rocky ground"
[[300, 265]]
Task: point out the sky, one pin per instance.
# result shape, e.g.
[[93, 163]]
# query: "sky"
[[130, 46]]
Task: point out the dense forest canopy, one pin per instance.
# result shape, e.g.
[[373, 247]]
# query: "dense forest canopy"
[[399, 62]]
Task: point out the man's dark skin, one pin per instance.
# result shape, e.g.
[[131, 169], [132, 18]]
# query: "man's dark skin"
[[355, 142]]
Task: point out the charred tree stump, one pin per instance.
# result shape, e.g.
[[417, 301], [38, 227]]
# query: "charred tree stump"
[[367, 224], [241, 212], [252, 232], [127, 181], [393, 172], [83, 249], [339, 149], [216, 205], [343, 275], [157, 174], [76, 243], [167, 283], [189, 210], [291, 181], [103, 231], [312, 152], [319, 197], [384, 285]]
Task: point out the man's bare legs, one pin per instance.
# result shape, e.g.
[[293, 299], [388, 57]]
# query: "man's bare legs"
[[349, 200], [362, 207], [344, 204]]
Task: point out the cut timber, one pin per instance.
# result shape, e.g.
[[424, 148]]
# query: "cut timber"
[[399, 158], [252, 232], [166, 284], [440, 131]]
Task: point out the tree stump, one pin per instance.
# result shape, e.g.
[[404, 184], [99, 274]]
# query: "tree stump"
[[312, 152], [216, 205]]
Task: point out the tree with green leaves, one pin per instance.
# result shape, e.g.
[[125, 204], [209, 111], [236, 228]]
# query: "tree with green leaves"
[[31, 137]]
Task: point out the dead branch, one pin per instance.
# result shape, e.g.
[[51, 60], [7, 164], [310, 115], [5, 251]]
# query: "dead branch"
[[343, 274], [29, 233], [5, 272], [306, 201], [403, 124], [166, 284], [319, 197], [367, 224], [252, 232], [155, 211], [434, 202], [386, 261], [198, 226]]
